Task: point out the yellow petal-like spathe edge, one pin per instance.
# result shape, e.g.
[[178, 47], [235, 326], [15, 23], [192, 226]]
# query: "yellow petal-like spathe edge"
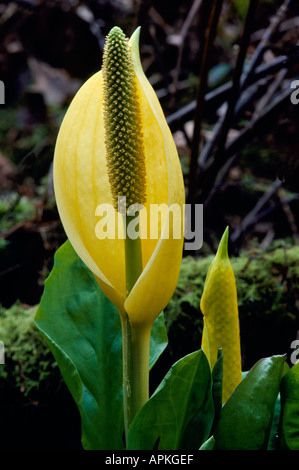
[[221, 318], [81, 184]]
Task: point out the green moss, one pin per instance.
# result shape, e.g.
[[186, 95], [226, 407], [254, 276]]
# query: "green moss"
[[28, 361], [15, 209]]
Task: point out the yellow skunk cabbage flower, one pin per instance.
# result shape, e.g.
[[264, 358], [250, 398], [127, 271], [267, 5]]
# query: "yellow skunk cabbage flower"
[[115, 161], [221, 319], [114, 142]]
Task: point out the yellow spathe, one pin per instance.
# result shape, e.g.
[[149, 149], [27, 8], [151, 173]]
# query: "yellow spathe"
[[221, 319], [81, 184]]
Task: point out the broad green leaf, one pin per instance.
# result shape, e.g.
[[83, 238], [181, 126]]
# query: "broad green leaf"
[[180, 413], [83, 330], [246, 417], [290, 409]]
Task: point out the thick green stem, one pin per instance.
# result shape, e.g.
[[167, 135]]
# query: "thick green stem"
[[135, 369], [136, 338]]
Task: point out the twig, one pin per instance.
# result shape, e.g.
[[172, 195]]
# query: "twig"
[[251, 217], [251, 94], [217, 142], [214, 148], [201, 90], [187, 23], [261, 121], [288, 212], [263, 44], [216, 97], [265, 100], [281, 203]]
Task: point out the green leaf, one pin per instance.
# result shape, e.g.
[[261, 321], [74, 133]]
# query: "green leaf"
[[180, 413], [290, 409], [83, 330], [273, 442], [246, 417], [217, 376], [159, 340], [208, 445]]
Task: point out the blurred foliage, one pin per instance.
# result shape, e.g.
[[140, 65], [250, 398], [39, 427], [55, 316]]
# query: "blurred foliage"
[[15, 210], [28, 361]]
